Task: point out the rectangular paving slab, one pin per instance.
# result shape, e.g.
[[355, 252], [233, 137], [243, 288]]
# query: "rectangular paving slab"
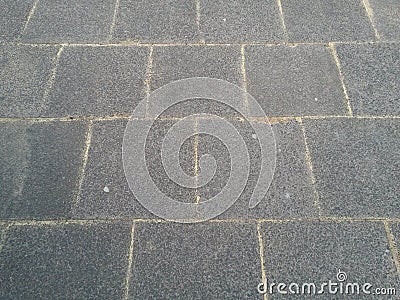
[[195, 261], [371, 75], [75, 21], [356, 165], [105, 191], [290, 193], [303, 252], [326, 20], [39, 168], [24, 73], [240, 21], [180, 62], [301, 80], [386, 15], [154, 21], [98, 81], [68, 261], [13, 17]]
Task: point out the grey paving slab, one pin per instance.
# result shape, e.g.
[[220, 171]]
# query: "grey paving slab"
[[13, 17], [326, 21], [181, 261], [105, 191], [179, 62], [315, 252], [70, 21], [39, 168], [371, 74], [301, 80], [356, 165], [386, 18], [98, 81], [290, 194], [24, 71], [238, 21], [65, 261], [155, 21]]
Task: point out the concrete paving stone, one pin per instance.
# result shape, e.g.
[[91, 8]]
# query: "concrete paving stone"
[[238, 21], [39, 168], [290, 194], [154, 21], [24, 71], [65, 261], [13, 17], [196, 261], [71, 21], [179, 62], [98, 81], [356, 165], [371, 74], [105, 191], [387, 18], [301, 80], [315, 252], [326, 21]]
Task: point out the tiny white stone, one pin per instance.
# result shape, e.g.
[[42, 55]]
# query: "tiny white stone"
[[106, 189], [254, 136], [316, 99], [224, 19], [287, 195]]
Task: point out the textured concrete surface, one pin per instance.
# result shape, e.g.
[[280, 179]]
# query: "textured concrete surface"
[[71, 72]]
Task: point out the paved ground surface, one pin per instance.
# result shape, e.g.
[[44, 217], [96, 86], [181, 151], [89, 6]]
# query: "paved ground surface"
[[326, 72]]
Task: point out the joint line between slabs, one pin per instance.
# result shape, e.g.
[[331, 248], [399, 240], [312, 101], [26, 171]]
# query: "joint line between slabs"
[[52, 78], [339, 68], [130, 262], [371, 17], [261, 253], [392, 246], [317, 204], [31, 12], [81, 176], [198, 16], [148, 75], [244, 78], [282, 17], [116, 7], [196, 158]]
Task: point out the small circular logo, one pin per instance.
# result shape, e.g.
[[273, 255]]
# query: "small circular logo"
[[149, 110], [341, 276]]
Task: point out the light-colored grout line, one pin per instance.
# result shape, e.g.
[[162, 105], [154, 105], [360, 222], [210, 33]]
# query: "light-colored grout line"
[[239, 221], [270, 120], [84, 163], [138, 44], [244, 78], [261, 253], [148, 75], [282, 17], [196, 158], [52, 78], [116, 7], [198, 16], [130, 263], [371, 17], [392, 246], [317, 204], [337, 62], [31, 12]]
